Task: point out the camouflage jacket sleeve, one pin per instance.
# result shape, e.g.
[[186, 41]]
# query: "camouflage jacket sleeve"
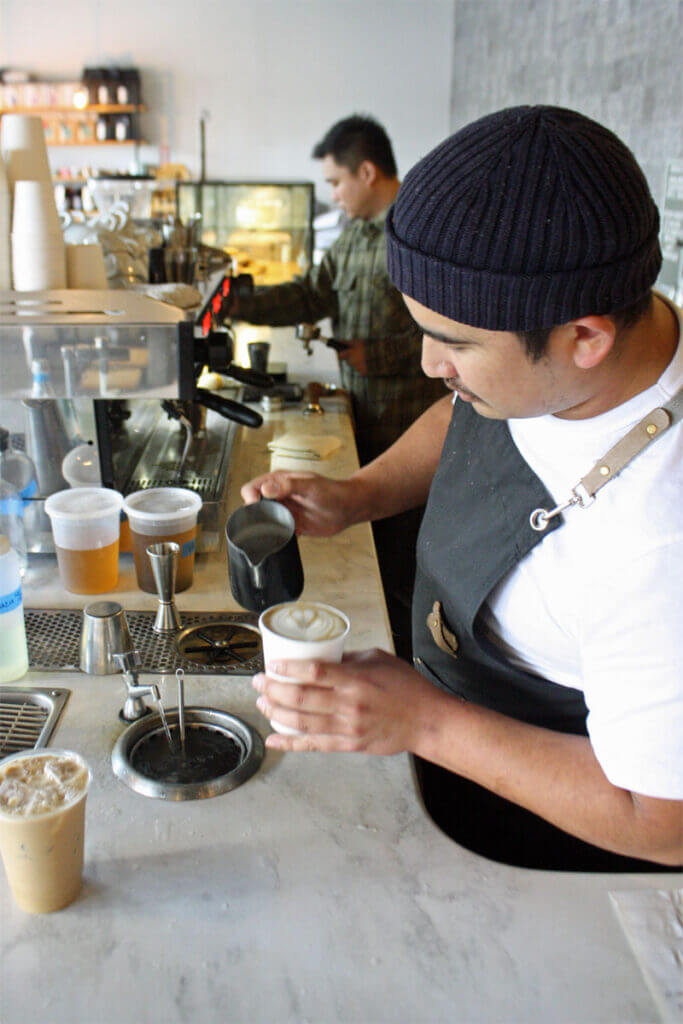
[[303, 300]]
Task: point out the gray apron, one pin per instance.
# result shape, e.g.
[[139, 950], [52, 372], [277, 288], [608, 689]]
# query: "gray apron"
[[474, 531]]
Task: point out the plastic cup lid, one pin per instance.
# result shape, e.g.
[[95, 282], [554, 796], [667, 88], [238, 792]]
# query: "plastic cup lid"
[[83, 503], [159, 504]]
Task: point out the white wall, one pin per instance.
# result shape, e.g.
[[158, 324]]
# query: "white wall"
[[273, 74]]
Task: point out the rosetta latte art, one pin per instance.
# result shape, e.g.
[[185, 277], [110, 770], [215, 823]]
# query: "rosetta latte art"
[[304, 621]]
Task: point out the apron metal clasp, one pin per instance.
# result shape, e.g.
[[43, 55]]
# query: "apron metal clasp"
[[540, 517]]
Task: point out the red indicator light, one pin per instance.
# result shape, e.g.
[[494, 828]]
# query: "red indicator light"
[[216, 303], [226, 286], [206, 323]]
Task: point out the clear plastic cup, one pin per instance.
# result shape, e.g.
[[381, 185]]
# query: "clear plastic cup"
[[163, 514], [42, 827], [85, 526]]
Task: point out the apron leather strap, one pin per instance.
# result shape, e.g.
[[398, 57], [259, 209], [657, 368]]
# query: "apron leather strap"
[[651, 427]]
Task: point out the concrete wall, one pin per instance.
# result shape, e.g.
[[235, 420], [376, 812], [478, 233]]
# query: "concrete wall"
[[618, 61], [272, 74]]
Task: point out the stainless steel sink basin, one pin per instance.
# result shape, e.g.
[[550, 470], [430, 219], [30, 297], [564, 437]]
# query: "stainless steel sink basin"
[[221, 752], [28, 716]]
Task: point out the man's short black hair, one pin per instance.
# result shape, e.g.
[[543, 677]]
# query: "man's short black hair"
[[535, 342], [356, 139]]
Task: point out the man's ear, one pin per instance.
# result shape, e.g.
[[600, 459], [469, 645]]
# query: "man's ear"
[[593, 339], [367, 172]]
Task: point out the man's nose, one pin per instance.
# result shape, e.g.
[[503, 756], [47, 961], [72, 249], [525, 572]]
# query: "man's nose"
[[437, 360]]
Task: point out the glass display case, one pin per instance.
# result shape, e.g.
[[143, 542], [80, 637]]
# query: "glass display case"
[[267, 227]]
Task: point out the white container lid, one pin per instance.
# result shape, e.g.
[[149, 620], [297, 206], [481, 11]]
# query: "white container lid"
[[162, 508], [85, 517], [83, 504]]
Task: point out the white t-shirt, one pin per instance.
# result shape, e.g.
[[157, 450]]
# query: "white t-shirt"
[[597, 605]]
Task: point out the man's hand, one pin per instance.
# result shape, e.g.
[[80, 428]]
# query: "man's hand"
[[321, 507], [372, 703], [354, 355]]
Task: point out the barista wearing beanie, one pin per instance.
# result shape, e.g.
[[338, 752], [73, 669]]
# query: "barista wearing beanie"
[[545, 704]]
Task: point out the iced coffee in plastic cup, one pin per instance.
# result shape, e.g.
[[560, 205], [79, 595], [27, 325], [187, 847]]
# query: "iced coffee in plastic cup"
[[301, 629], [158, 515], [85, 526], [42, 826]]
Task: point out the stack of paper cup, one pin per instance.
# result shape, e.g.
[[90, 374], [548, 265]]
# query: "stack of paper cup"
[[22, 144], [37, 245], [5, 259], [85, 267], [38, 258]]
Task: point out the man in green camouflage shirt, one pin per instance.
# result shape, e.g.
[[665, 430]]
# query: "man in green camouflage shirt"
[[380, 367]]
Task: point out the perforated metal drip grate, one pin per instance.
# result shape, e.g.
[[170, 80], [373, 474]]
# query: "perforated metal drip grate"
[[207, 487], [28, 717], [54, 637]]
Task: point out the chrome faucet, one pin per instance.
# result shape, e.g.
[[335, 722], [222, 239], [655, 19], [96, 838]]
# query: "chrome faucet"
[[129, 662]]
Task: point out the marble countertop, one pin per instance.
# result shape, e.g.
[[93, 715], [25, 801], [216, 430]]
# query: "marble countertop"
[[319, 891]]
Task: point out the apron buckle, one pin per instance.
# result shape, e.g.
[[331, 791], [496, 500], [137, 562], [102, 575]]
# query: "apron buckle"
[[444, 639]]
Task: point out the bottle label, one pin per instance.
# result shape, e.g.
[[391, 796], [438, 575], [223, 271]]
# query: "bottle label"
[[187, 548], [29, 490], [10, 602]]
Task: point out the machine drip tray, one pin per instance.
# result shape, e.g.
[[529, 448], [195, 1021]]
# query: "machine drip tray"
[[54, 636]]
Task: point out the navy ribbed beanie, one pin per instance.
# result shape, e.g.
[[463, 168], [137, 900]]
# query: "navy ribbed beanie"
[[527, 218]]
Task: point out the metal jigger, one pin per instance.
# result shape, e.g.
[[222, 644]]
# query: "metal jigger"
[[164, 561]]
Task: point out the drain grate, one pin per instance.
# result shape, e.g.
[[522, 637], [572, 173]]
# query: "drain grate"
[[54, 636], [28, 717]]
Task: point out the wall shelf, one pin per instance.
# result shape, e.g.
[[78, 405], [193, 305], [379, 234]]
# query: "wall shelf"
[[95, 108], [100, 142]]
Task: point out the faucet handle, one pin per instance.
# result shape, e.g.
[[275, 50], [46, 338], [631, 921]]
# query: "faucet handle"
[[129, 662]]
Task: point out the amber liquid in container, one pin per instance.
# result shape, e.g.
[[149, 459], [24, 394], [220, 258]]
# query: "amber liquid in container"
[[124, 537], [186, 541], [94, 571]]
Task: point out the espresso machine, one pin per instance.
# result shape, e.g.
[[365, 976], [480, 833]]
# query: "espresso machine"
[[120, 369]]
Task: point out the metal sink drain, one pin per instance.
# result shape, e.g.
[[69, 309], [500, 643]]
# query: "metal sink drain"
[[221, 752]]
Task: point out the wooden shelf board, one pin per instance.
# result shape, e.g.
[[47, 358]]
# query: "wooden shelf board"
[[113, 108], [98, 142]]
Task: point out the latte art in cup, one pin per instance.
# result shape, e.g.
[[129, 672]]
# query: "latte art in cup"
[[303, 620], [301, 629]]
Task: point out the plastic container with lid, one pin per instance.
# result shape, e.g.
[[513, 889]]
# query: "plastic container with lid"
[[85, 526], [163, 514]]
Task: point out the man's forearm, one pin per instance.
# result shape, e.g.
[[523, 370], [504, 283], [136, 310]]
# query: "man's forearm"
[[400, 478], [554, 775]]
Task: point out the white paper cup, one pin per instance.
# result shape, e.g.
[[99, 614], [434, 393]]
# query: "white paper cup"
[[37, 265], [85, 267], [22, 144], [34, 210], [279, 647]]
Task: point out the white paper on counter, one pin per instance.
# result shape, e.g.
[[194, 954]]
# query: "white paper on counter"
[[310, 447], [653, 922]]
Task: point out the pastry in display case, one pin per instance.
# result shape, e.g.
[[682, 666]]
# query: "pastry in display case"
[[266, 227]]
